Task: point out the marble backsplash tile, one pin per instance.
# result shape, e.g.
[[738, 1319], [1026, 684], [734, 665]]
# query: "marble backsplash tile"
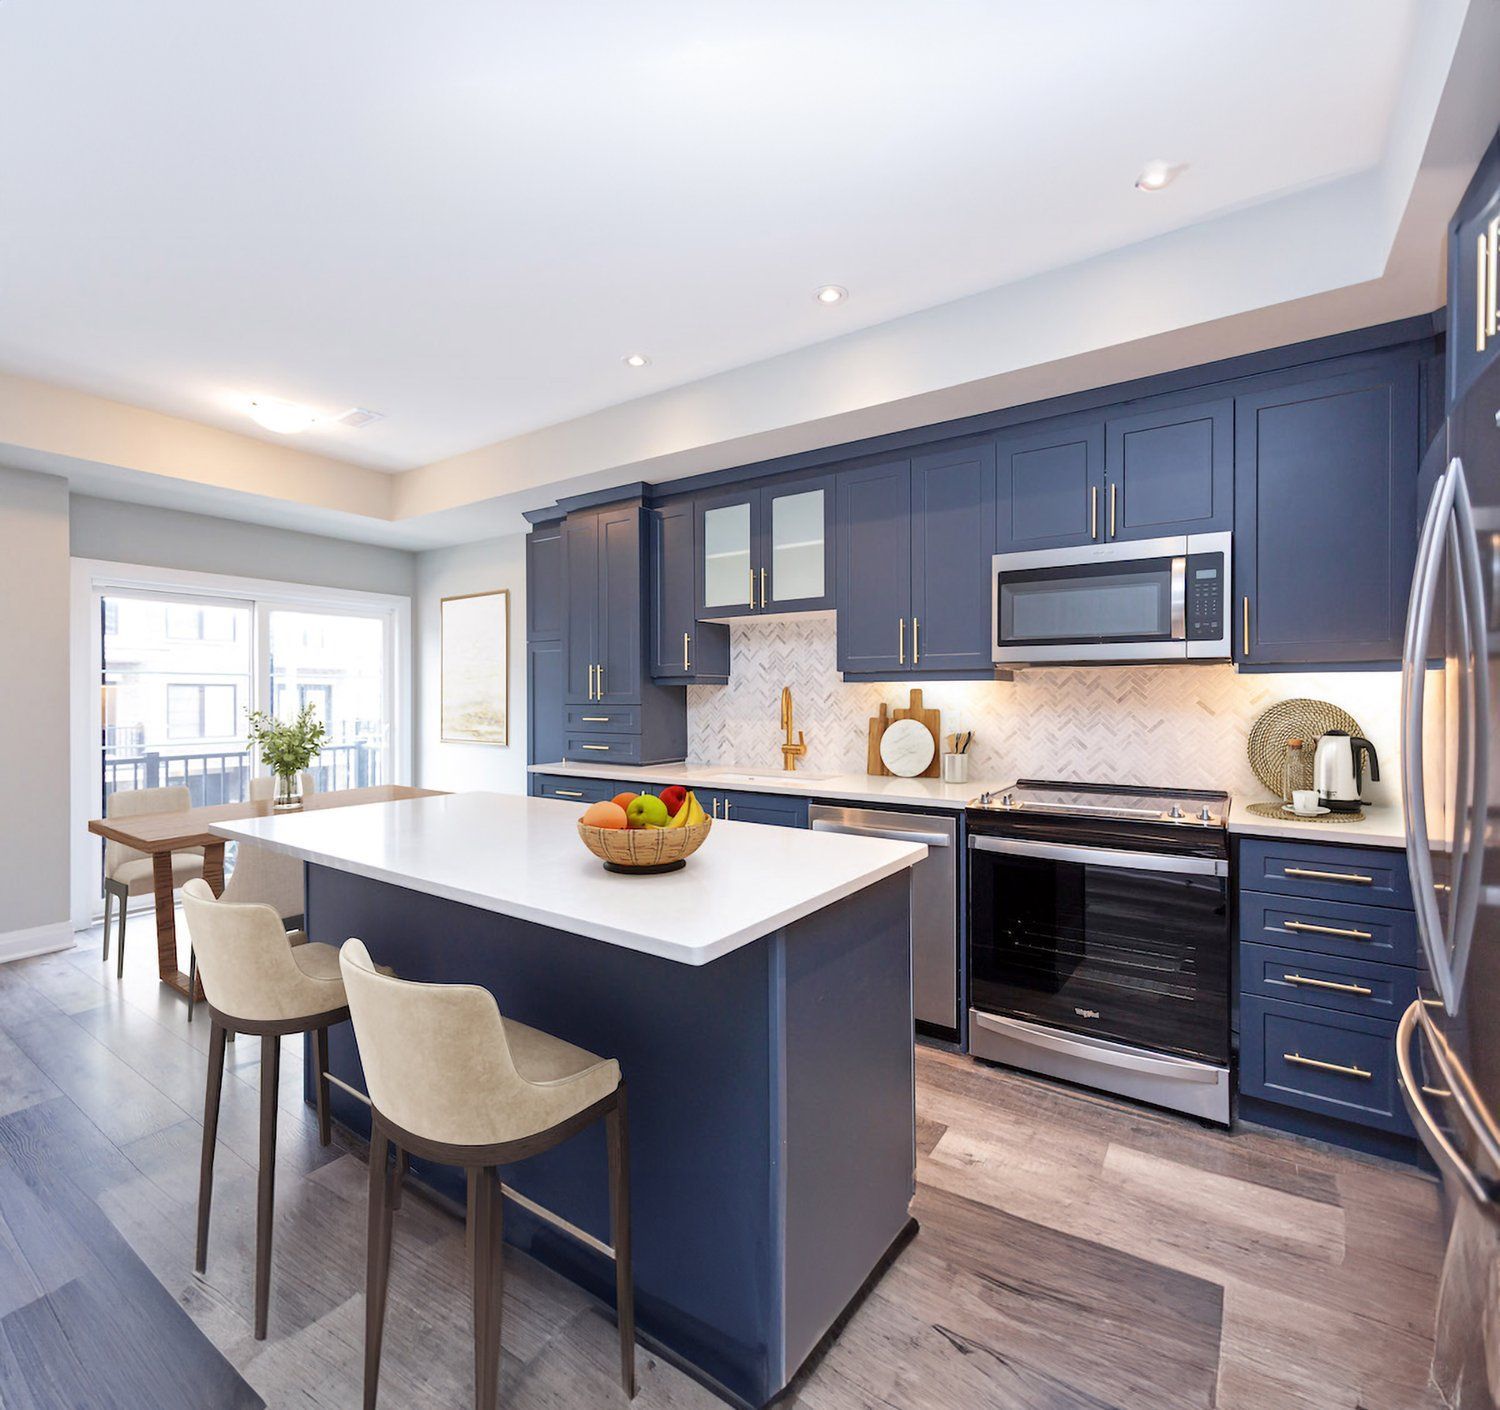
[[1176, 726]]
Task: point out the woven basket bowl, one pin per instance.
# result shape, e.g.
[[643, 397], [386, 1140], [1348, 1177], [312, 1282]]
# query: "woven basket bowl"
[[644, 846]]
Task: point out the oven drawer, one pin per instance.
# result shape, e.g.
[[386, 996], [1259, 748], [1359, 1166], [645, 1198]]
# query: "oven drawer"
[[1350, 986], [1330, 928], [598, 748], [1366, 876], [604, 719], [1337, 1064]]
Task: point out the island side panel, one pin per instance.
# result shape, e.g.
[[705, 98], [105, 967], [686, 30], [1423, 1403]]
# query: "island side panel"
[[847, 1073], [696, 1046]]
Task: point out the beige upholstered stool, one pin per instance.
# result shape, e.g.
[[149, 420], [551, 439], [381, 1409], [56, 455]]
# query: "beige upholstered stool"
[[128, 872], [257, 981], [451, 1080]]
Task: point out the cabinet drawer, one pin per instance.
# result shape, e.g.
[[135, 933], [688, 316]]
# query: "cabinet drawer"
[[1326, 982], [1338, 1064], [1368, 876], [604, 719], [1329, 928], [575, 790], [596, 748]]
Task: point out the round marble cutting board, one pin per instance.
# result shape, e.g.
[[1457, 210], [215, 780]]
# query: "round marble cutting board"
[[906, 748]]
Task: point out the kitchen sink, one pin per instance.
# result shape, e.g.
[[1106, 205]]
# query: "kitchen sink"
[[767, 776]]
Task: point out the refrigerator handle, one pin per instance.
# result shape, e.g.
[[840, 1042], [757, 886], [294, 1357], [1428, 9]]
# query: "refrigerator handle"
[[1413, 671]]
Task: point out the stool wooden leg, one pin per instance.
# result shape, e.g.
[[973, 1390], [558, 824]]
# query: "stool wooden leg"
[[320, 1056], [486, 1227], [398, 1177], [618, 1140], [378, 1267], [210, 1140], [270, 1082]]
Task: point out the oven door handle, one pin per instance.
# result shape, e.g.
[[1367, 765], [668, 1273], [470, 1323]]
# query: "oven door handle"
[[1098, 1050], [1102, 856]]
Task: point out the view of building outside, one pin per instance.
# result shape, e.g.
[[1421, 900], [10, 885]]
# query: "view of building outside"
[[178, 676]]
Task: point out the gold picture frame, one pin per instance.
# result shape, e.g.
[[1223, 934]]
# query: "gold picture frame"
[[474, 668]]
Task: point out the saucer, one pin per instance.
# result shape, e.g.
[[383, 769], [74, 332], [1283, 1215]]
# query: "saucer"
[[1298, 813]]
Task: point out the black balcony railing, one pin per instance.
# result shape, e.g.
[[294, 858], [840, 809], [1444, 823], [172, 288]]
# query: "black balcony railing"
[[224, 777]]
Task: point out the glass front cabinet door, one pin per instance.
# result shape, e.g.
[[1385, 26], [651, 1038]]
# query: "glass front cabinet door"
[[766, 549]]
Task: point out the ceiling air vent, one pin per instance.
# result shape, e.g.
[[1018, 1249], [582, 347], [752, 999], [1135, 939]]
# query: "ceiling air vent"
[[358, 416]]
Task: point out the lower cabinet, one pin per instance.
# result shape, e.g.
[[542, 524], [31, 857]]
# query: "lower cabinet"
[[573, 790], [774, 809]]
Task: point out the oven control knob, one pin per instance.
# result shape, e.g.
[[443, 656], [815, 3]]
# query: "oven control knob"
[[1205, 815], [1007, 800], [1175, 812]]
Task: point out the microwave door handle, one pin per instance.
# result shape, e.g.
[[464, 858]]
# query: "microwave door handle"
[[1179, 599]]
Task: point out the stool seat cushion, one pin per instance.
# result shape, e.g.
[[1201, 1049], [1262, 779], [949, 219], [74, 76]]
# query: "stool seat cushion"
[[316, 961]]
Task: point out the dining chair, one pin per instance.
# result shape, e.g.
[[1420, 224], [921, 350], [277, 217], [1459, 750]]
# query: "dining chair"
[[452, 1080], [128, 872]]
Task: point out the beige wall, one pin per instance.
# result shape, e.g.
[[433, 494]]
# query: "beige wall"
[[34, 698]]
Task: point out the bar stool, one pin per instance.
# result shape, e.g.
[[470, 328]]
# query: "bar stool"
[[256, 981], [128, 872], [453, 1081]]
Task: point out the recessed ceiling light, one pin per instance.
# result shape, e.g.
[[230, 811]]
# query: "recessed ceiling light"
[[831, 294], [286, 418], [636, 360], [1155, 175]]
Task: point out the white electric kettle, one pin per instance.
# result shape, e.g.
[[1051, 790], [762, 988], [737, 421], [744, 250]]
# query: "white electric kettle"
[[1338, 770]]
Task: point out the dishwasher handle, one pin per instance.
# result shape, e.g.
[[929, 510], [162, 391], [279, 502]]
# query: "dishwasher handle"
[[889, 834]]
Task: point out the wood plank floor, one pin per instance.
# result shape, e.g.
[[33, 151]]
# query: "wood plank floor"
[[1074, 1253]]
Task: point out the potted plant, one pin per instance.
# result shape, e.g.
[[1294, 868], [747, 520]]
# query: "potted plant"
[[286, 748]]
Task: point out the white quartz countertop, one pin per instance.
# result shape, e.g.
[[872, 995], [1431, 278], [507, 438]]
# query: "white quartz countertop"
[[843, 788], [523, 857], [1381, 826]]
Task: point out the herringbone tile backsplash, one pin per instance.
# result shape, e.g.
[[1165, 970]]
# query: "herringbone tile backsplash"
[[1175, 726]]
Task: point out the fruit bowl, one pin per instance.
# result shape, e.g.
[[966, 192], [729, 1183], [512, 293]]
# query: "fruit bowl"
[[642, 851]]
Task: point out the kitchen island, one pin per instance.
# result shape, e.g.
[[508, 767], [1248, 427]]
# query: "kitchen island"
[[759, 1004]]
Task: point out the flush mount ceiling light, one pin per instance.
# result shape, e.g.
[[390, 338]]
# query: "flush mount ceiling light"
[[636, 360], [286, 418], [831, 294], [1158, 174]]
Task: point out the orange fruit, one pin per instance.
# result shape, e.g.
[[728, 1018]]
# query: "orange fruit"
[[604, 815], [624, 800]]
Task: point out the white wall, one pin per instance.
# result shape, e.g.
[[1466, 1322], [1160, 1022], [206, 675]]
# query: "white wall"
[[34, 696], [452, 572]]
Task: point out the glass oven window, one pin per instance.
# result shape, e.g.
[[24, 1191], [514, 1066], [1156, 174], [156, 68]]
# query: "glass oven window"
[[1103, 602]]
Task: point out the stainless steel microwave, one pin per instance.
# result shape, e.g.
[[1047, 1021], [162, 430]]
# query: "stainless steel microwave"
[[1151, 600]]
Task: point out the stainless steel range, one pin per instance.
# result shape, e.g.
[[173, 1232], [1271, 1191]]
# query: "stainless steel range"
[[1099, 943]]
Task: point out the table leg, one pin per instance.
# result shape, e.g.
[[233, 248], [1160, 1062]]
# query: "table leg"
[[166, 925], [213, 867]]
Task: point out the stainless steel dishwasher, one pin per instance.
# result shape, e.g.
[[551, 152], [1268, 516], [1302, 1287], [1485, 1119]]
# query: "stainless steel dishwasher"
[[934, 900]]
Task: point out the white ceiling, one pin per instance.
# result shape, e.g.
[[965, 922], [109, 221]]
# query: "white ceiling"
[[464, 214]]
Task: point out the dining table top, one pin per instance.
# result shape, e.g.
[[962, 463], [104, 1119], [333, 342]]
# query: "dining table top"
[[171, 832]]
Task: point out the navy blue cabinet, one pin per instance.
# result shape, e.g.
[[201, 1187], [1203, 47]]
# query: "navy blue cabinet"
[[683, 649], [1050, 485], [765, 549], [1325, 521], [1474, 278], [1169, 469], [544, 583], [773, 809], [546, 651], [874, 569]]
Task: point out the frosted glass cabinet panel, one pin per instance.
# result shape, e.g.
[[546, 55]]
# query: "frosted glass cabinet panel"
[[798, 546], [765, 548], [726, 556]]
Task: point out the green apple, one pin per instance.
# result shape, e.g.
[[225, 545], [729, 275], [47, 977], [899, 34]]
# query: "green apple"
[[646, 811]]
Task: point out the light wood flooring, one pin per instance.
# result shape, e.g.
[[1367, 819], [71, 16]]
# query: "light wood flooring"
[[1074, 1253]]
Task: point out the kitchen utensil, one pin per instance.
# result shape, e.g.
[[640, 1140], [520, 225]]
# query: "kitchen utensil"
[[1292, 719], [1338, 768], [907, 748], [877, 728], [642, 851], [931, 719]]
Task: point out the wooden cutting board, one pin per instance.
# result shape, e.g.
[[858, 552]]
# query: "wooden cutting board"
[[932, 720]]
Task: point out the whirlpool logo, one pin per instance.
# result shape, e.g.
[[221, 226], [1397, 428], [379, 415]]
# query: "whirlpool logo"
[[1086, 1013]]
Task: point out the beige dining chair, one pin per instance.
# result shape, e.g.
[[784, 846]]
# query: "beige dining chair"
[[256, 980], [128, 872], [452, 1080]]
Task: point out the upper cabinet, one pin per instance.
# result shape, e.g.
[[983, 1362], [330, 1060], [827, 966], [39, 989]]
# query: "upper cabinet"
[[1050, 484], [1325, 522], [604, 579], [1168, 470], [765, 549], [683, 649], [1474, 278], [915, 539]]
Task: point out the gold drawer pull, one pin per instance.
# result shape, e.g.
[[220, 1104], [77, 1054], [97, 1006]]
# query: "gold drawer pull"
[[1329, 875], [566, 793], [595, 719], [1338, 1067], [685, 639], [601, 748], [1326, 930], [1326, 984], [1094, 508]]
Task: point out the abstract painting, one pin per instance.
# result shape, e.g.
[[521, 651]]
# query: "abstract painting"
[[476, 668]]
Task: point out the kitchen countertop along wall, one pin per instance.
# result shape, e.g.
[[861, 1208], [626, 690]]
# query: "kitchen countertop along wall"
[[1172, 726]]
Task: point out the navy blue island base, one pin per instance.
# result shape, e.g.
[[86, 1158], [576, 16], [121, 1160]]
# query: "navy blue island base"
[[772, 1151]]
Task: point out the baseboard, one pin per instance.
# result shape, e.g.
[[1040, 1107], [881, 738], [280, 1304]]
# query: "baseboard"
[[39, 940]]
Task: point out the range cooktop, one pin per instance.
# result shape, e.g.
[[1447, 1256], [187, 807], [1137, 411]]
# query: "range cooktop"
[[1118, 804]]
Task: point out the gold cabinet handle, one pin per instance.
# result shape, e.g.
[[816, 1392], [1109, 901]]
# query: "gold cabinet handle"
[[901, 649], [1327, 984], [1112, 488], [566, 793], [726, 809], [601, 681], [1481, 281], [1350, 876], [762, 589], [1326, 930], [752, 589], [1300, 1061], [1493, 269], [592, 695], [594, 719], [1093, 511], [598, 748], [685, 665], [916, 650], [716, 807], [1245, 629]]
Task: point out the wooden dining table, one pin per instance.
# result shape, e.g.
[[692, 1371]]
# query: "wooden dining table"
[[161, 834]]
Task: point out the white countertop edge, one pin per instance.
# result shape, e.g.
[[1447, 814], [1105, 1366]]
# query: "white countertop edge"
[[630, 940], [1382, 826]]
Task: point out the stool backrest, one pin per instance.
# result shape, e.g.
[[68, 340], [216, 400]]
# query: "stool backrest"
[[266, 878], [133, 803]]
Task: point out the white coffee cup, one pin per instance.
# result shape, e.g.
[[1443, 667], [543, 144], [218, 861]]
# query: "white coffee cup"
[[1305, 800]]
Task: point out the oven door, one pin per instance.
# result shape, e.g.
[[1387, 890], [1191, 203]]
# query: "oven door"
[[1130, 947]]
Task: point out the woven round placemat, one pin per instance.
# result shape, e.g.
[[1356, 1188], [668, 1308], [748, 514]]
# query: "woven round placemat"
[[1274, 810], [1307, 720]]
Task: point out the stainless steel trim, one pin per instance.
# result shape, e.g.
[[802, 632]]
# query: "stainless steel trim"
[[1470, 1105], [1099, 1049], [1179, 599], [891, 834], [1176, 546], [1102, 856]]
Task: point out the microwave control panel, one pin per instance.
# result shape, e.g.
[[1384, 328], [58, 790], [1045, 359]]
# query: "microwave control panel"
[[1205, 596]]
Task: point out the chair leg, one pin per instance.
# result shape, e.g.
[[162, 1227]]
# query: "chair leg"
[[109, 909], [270, 1082], [618, 1140], [120, 938], [486, 1227], [192, 983], [210, 1140], [378, 1265], [320, 1086], [398, 1177]]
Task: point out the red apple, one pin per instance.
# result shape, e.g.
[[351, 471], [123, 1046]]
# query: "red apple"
[[674, 797]]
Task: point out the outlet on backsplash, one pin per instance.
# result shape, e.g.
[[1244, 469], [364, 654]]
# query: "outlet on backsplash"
[[1178, 726]]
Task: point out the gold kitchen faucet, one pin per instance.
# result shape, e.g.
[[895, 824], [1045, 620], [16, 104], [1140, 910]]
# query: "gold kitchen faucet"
[[790, 751]]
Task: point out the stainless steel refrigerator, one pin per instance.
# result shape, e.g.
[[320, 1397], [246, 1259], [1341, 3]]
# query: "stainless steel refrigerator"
[[1448, 1042]]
